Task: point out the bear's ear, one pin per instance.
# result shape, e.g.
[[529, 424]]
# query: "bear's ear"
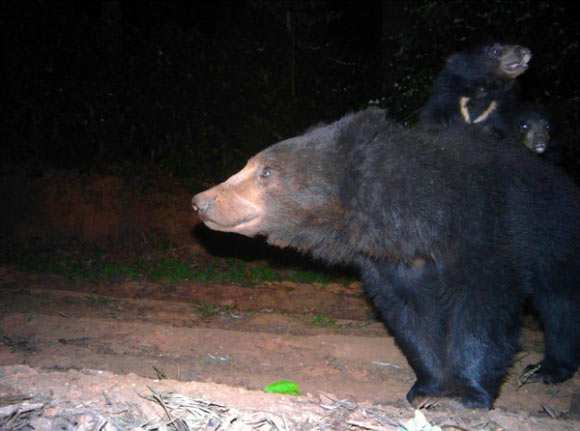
[[454, 62], [452, 59], [375, 111]]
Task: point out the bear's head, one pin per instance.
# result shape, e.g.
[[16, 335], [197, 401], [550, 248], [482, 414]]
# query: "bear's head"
[[492, 61], [287, 191], [338, 191], [511, 60], [532, 129]]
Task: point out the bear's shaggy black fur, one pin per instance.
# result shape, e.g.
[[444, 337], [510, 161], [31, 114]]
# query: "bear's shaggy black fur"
[[451, 234], [476, 87]]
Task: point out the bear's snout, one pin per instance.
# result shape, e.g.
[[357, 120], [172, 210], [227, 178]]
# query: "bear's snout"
[[202, 204], [229, 207], [541, 145]]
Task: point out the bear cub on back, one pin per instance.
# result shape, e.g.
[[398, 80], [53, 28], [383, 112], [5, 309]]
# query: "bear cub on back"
[[448, 241], [476, 87]]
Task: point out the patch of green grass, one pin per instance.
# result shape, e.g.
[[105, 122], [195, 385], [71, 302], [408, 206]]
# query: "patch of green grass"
[[96, 265], [112, 271], [264, 272], [309, 277], [207, 274], [236, 271], [321, 321], [101, 300], [207, 310], [65, 267], [171, 270], [74, 267], [138, 269], [242, 272]]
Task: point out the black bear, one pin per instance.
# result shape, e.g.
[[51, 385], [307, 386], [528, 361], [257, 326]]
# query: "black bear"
[[476, 87], [451, 234], [531, 127]]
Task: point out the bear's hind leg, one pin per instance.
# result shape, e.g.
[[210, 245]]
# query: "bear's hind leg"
[[483, 337], [560, 314]]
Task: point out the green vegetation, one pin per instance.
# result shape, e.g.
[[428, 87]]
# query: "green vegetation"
[[237, 271], [309, 277], [112, 271], [320, 320], [209, 310], [170, 270], [76, 266], [101, 300]]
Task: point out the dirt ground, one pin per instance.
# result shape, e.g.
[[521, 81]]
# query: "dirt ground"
[[96, 356]]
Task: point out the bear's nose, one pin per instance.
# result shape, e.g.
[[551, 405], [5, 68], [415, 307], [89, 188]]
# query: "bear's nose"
[[541, 145], [526, 54], [202, 204]]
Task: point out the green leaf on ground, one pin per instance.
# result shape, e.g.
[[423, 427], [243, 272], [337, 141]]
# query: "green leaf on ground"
[[283, 387]]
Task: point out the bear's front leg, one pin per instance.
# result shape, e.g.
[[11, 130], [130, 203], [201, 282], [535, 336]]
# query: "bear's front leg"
[[407, 298]]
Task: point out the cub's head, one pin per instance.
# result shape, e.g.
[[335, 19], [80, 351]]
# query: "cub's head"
[[533, 129], [511, 60], [489, 62]]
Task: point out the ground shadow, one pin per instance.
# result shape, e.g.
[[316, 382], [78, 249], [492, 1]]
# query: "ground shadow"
[[230, 245]]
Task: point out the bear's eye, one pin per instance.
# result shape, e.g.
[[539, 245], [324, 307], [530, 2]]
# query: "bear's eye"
[[523, 126], [548, 127], [265, 173], [495, 50]]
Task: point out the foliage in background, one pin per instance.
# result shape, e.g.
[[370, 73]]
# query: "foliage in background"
[[196, 89], [88, 88]]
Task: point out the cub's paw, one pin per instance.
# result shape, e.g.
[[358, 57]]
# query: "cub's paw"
[[545, 372]]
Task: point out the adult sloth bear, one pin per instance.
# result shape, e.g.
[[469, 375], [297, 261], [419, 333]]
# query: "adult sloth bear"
[[451, 234]]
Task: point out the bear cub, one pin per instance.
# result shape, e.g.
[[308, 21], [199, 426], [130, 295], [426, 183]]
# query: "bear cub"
[[476, 87]]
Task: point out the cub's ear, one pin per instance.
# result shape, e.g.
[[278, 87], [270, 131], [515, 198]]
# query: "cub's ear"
[[376, 112], [453, 59]]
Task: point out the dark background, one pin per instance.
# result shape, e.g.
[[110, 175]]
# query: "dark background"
[[195, 88]]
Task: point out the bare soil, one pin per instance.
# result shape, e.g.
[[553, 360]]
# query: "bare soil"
[[103, 347]]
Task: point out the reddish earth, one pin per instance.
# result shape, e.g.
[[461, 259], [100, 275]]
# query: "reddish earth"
[[84, 344], [91, 356]]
